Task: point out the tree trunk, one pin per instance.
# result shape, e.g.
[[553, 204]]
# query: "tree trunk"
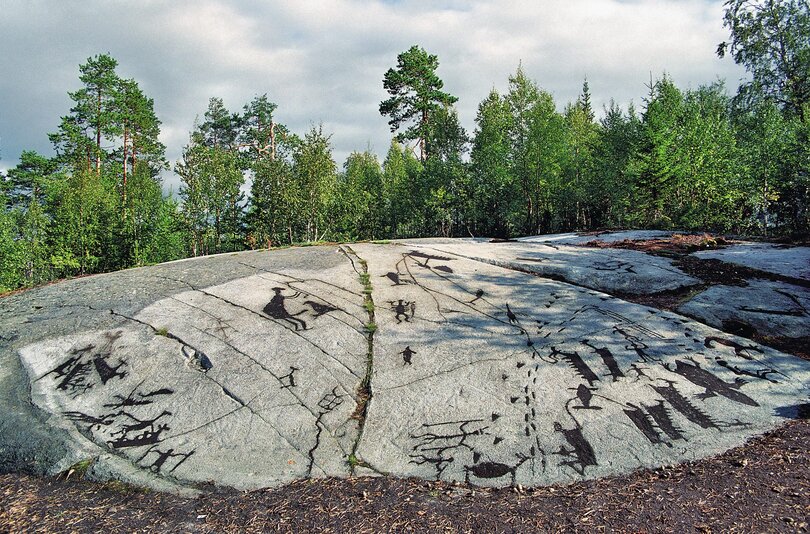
[[422, 144], [272, 141], [98, 133], [124, 181]]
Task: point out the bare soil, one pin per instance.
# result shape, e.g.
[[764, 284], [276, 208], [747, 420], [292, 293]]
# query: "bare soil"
[[763, 486]]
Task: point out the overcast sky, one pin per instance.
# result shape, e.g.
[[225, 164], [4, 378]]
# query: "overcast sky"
[[322, 61]]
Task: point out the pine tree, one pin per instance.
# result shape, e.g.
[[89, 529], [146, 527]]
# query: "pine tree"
[[416, 94], [579, 172]]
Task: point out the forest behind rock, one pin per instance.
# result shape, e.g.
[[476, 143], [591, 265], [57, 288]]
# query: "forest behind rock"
[[695, 159]]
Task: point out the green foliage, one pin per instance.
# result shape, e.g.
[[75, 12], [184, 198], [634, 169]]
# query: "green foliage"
[[618, 137], [315, 184], [445, 174], [490, 189], [360, 198], [776, 150], [694, 159], [771, 38], [579, 189], [9, 271], [416, 94], [708, 195], [655, 166], [212, 198], [538, 151], [402, 173]]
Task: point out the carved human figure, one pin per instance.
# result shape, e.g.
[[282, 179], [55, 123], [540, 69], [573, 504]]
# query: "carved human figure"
[[277, 309]]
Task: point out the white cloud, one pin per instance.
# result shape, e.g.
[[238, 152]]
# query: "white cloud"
[[323, 62]]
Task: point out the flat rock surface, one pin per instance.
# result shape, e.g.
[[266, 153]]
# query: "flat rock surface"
[[605, 269], [775, 308], [575, 238], [254, 369], [785, 260]]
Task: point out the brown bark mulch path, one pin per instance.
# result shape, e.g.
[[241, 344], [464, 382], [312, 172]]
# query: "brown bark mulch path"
[[763, 486]]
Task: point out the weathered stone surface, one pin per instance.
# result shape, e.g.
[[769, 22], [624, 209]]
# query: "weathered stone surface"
[[497, 377], [248, 369], [607, 269], [572, 238], [770, 308], [779, 259], [247, 383]]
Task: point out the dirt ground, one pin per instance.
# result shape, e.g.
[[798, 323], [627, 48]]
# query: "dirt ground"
[[763, 486]]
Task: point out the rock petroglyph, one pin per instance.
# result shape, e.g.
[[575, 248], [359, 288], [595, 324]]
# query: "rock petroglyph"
[[454, 360]]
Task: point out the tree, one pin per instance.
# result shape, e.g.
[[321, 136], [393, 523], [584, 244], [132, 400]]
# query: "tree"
[[490, 188], [416, 93], [401, 172], [582, 133], [212, 199], [315, 173], [361, 197], [618, 139], [708, 194], [140, 129], [94, 117], [30, 183], [9, 278], [445, 173], [212, 175], [259, 133], [771, 38], [655, 166], [220, 128], [83, 210], [775, 154], [537, 139], [267, 146]]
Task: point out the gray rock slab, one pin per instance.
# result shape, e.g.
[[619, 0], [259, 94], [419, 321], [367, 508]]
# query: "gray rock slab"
[[610, 270], [778, 259], [495, 377], [574, 238], [245, 370], [771, 308], [249, 383]]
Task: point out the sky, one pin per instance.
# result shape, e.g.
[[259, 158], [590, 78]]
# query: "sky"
[[322, 61]]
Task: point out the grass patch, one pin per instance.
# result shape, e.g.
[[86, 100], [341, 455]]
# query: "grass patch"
[[79, 469], [162, 331], [371, 327], [124, 487]]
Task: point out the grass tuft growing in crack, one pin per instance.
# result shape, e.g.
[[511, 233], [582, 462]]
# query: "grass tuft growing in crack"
[[364, 391]]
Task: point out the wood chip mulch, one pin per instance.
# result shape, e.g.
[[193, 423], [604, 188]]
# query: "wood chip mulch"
[[763, 486]]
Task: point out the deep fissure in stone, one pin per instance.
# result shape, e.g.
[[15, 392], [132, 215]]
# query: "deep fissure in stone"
[[364, 391]]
